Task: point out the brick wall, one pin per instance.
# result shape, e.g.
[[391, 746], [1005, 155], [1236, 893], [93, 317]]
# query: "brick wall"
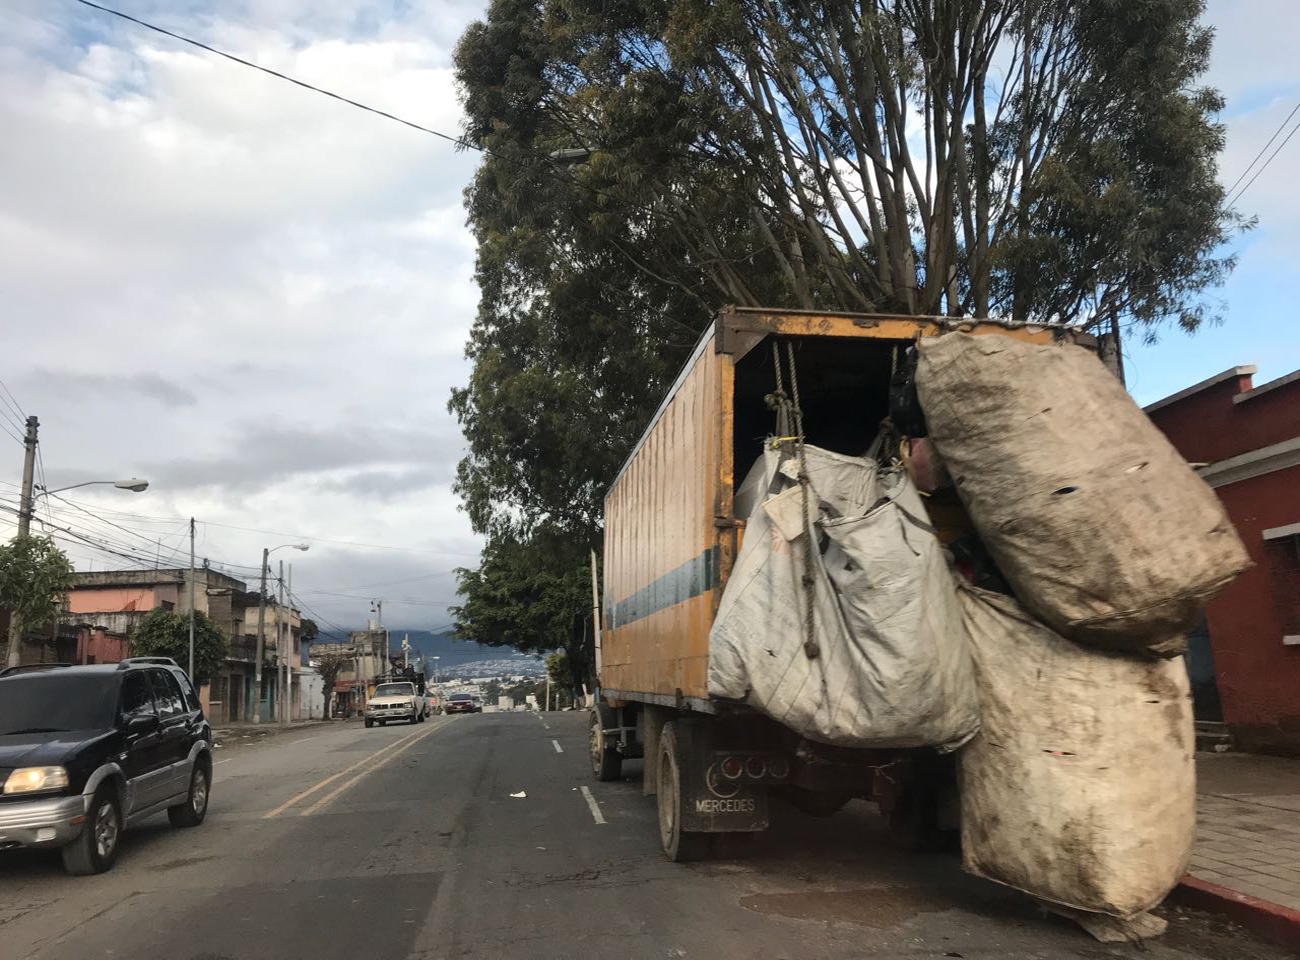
[[1258, 676]]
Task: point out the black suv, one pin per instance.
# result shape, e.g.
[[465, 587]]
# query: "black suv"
[[86, 751]]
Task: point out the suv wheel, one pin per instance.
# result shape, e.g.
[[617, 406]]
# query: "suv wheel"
[[195, 808], [95, 848]]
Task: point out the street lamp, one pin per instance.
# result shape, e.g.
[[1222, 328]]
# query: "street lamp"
[[261, 626], [24, 515], [135, 485]]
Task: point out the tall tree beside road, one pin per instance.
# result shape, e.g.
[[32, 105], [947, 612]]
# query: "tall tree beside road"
[[162, 633], [328, 666], [34, 577], [524, 595], [1041, 159], [647, 163]]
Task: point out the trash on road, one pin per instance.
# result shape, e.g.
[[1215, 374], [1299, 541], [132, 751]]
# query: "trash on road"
[[520, 795]]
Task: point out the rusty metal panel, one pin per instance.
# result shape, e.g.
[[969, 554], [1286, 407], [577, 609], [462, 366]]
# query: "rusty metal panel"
[[738, 329]]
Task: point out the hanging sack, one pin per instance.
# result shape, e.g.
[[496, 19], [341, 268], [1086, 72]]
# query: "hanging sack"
[[1096, 521], [891, 668], [1080, 787]]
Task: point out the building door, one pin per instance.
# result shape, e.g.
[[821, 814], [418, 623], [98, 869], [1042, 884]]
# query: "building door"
[[1200, 671]]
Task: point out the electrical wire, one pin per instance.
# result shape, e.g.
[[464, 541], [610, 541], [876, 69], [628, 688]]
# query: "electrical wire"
[[40, 467], [10, 401], [91, 513], [1255, 160], [1264, 166], [458, 141]]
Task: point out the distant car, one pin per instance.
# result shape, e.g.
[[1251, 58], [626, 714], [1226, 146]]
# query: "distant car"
[[86, 751], [395, 701], [461, 703]]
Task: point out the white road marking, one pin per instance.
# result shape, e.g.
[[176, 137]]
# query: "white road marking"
[[591, 803], [227, 760], [303, 740], [556, 745]]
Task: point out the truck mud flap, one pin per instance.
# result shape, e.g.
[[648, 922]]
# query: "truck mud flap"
[[710, 803]]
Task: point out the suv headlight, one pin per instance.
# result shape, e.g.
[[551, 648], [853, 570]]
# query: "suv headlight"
[[36, 780]]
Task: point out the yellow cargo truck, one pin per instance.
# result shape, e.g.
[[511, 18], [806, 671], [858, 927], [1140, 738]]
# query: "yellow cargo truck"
[[672, 534]]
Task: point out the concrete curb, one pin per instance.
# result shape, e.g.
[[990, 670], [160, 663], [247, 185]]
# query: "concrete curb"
[[1272, 921]]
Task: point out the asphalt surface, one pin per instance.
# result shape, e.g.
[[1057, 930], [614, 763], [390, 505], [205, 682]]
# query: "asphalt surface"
[[406, 841]]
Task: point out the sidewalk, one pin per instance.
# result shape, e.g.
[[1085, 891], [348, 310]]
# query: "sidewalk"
[[1246, 861], [229, 734]]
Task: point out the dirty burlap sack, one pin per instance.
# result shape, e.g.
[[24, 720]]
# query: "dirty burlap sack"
[[892, 668], [1096, 521], [1080, 787]]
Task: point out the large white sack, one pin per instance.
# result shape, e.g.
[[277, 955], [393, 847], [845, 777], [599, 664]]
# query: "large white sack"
[[1096, 521], [1080, 786], [893, 668]]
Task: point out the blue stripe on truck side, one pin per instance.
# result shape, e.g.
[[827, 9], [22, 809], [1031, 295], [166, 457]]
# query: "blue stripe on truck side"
[[690, 579]]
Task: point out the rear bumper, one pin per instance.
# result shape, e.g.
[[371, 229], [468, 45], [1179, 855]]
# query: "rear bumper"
[[47, 822]]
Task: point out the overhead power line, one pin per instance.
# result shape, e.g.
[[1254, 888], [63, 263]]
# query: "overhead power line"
[[1255, 160], [1264, 165], [459, 141]]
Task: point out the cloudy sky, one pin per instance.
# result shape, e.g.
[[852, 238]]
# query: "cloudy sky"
[[257, 298]]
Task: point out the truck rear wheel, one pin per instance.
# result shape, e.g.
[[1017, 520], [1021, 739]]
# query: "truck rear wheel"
[[606, 761], [679, 845]]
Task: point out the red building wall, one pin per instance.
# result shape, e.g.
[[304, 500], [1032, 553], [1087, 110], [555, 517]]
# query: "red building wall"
[[1258, 677]]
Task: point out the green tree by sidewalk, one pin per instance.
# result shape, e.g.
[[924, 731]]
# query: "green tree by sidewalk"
[[163, 633], [34, 577], [328, 666]]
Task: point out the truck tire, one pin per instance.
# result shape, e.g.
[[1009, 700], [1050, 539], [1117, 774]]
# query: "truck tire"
[[606, 761], [679, 845]]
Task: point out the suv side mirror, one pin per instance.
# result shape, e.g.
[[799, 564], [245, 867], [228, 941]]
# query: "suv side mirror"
[[145, 724]]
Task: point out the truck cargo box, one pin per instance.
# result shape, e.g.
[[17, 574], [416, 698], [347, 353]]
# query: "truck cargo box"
[[672, 531]]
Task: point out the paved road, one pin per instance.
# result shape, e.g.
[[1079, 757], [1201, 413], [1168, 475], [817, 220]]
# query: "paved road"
[[406, 842]]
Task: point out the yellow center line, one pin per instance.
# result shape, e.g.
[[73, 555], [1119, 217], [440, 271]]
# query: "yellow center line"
[[368, 770], [330, 779]]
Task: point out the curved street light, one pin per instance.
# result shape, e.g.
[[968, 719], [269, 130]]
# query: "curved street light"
[[135, 485], [261, 626]]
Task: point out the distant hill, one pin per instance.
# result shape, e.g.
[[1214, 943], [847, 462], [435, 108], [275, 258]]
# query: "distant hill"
[[461, 658]]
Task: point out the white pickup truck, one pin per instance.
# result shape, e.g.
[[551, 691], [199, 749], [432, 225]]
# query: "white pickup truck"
[[395, 701]]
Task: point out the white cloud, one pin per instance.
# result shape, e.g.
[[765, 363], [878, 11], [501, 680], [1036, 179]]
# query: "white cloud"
[[256, 293]]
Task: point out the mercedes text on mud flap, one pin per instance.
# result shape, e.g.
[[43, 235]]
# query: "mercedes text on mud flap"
[[86, 751]]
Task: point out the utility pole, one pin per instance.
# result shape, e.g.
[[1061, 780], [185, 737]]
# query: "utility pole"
[[261, 642], [24, 527], [279, 648], [288, 647], [191, 600]]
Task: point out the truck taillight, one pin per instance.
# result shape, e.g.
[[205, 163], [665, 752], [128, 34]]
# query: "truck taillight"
[[779, 768], [732, 768], [756, 768]]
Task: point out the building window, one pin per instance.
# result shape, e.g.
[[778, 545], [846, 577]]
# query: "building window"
[[1282, 564], [167, 605]]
